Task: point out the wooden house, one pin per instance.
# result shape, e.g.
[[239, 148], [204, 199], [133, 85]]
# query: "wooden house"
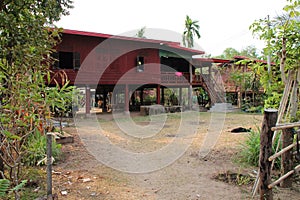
[[115, 71]]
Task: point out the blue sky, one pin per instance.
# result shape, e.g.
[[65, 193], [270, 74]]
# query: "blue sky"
[[222, 23]]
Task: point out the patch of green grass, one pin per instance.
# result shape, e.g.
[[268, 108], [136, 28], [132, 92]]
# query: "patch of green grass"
[[250, 150]]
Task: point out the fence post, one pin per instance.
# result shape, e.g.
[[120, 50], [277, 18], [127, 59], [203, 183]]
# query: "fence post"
[[287, 157], [269, 121]]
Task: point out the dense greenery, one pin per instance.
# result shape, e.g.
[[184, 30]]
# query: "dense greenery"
[[250, 149], [230, 53], [282, 37], [26, 42]]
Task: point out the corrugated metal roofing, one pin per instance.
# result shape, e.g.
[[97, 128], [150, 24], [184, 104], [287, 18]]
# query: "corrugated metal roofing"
[[170, 44]]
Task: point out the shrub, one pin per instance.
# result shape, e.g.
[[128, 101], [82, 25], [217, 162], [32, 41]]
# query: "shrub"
[[36, 149], [250, 149]]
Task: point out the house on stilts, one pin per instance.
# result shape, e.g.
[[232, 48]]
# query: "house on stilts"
[[125, 73]]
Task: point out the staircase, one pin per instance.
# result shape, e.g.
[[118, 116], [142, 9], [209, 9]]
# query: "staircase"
[[215, 89]]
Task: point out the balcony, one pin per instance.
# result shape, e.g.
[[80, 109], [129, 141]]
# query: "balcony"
[[172, 78]]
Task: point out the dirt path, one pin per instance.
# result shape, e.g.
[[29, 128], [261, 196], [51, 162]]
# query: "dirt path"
[[189, 177]]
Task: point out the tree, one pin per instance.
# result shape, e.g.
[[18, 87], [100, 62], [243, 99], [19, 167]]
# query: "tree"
[[229, 53], [191, 29], [26, 43], [141, 33], [282, 38], [249, 51]]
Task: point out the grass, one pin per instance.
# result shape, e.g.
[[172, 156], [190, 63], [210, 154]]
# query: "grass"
[[250, 150]]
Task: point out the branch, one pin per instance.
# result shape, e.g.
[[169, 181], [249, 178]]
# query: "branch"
[[282, 60]]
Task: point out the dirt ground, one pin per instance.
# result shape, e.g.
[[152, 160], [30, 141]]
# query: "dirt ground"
[[78, 175]]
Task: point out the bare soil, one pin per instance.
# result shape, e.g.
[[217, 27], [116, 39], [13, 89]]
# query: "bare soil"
[[78, 175]]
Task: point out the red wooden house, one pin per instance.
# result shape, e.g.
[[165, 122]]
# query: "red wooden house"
[[121, 68]]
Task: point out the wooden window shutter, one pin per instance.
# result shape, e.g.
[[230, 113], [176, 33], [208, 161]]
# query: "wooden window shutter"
[[76, 60], [55, 56]]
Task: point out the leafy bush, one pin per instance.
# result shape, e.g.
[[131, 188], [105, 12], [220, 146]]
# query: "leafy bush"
[[5, 189], [36, 149], [4, 186], [250, 149], [255, 109]]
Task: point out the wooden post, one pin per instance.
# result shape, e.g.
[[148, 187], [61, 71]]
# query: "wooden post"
[[126, 99], [180, 96], [163, 96], [287, 157], [270, 118], [142, 96], [190, 86], [87, 100], [158, 94], [104, 104], [49, 166]]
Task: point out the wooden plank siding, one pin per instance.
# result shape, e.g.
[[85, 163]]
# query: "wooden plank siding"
[[106, 62]]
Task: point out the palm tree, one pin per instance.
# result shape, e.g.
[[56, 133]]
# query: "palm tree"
[[141, 32], [191, 29]]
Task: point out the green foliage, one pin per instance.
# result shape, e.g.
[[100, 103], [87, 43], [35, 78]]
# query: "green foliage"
[[191, 28], [141, 33], [249, 153], [36, 149], [229, 53], [4, 186], [250, 149], [273, 100], [26, 44], [282, 36], [255, 109]]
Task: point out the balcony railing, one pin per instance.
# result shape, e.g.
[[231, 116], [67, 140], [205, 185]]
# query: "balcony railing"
[[173, 78]]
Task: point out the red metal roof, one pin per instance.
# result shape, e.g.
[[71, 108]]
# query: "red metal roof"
[[256, 60], [201, 61], [171, 44]]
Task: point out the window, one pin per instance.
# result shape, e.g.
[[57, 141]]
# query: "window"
[[66, 60], [140, 64]]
